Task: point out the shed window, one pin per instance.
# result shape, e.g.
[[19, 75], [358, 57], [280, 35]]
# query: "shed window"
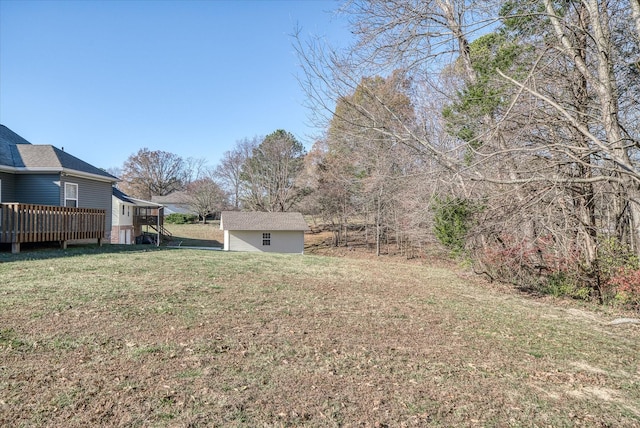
[[266, 238], [70, 195]]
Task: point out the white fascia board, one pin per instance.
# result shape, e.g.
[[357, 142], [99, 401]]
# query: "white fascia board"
[[142, 202], [82, 174], [23, 170]]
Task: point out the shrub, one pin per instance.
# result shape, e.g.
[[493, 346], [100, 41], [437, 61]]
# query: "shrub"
[[619, 271], [452, 221], [176, 218], [624, 286], [536, 265], [559, 269], [566, 284]]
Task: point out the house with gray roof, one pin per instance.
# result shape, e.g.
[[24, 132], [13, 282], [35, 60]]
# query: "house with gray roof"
[[177, 202], [48, 176], [273, 232]]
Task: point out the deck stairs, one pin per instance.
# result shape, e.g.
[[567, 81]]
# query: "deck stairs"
[[163, 233]]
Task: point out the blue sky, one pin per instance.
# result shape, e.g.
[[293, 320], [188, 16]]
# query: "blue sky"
[[104, 79]]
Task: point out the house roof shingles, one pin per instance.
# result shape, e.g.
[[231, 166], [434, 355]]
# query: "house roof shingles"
[[131, 200], [177, 197], [8, 139], [121, 195], [235, 220], [19, 154]]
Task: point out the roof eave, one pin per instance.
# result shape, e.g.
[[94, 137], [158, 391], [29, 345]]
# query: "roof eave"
[[82, 174], [142, 202], [266, 229], [57, 170]]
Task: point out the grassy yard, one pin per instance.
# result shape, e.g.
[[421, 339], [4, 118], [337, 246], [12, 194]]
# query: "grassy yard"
[[166, 337], [196, 234]]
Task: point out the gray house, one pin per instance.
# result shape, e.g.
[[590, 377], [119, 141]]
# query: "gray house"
[[45, 176], [174, 203], [263, 231]]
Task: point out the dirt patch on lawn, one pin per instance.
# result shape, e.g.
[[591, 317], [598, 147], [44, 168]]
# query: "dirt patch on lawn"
[[197, 338]]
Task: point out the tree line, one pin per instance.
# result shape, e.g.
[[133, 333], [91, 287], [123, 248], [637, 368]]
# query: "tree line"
[[507, 131], [258, 174]]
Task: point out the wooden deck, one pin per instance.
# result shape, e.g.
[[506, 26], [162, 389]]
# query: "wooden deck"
[[21, 223], [152, 217]]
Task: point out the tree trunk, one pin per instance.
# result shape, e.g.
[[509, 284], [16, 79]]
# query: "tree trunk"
[[378, 225], [585, 202], [635, 12], [607, 91]]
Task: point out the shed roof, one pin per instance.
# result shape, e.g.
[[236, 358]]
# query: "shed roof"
[[236, 220]]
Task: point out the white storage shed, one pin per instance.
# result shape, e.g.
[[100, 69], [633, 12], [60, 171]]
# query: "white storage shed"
[[272, 232]]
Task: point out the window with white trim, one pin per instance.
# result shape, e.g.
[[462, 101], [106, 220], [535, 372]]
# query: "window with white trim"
[[266, 238], [71, 195]]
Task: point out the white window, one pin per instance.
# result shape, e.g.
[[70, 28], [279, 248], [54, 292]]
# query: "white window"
[[70, 195], [266, 238]]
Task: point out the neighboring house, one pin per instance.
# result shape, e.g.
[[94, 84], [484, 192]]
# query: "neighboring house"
[[263, 231], [129, 215], [44, 175], [174, 203]]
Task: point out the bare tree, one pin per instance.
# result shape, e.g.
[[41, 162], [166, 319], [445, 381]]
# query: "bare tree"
[[373, 154], [334, 189], [527, 107], [206, 197], [196, 168], [229, 170], [149, 173]]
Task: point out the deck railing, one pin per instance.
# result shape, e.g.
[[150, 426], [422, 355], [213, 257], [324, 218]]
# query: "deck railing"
[[146, 220], [20, 223]]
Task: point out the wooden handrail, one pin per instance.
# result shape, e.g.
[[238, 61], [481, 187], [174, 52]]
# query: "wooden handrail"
[[21, 223]]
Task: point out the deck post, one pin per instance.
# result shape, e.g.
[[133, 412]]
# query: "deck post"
[[158, 229], [63, 245], [15, 247]]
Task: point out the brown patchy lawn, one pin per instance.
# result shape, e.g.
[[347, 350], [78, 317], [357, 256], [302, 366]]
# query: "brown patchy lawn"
[[162, 337], [196, 234]]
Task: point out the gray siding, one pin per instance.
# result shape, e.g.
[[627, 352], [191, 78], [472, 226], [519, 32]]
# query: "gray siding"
[[8, 183], [91, 194], [48, 189], [41, 189], [281, 241]]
